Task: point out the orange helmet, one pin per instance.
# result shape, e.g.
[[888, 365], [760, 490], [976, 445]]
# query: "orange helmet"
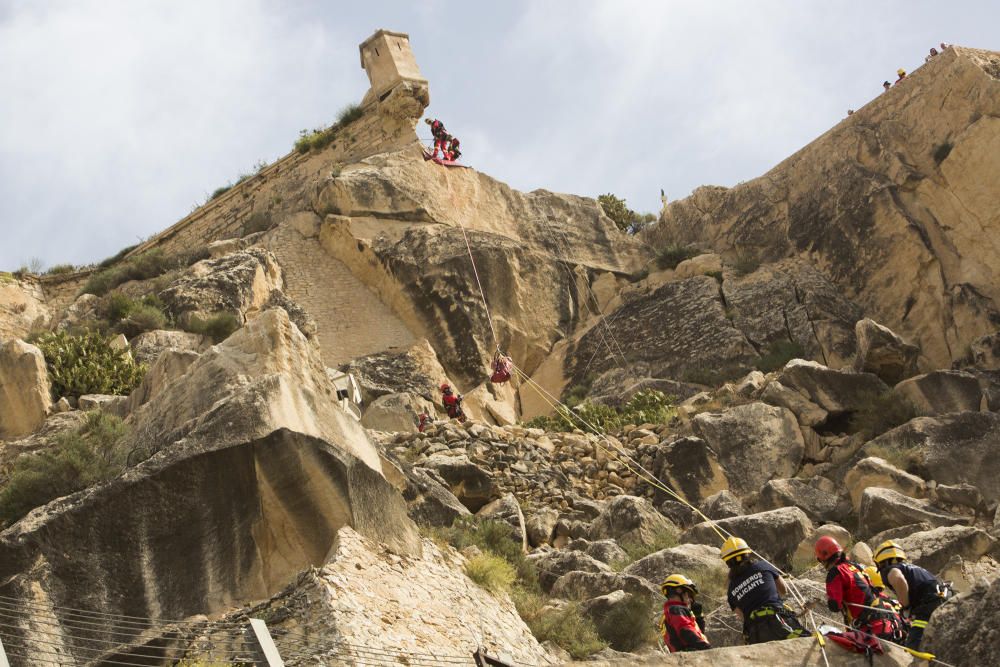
[[827, 548]]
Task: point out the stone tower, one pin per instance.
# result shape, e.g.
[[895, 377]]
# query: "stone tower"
[[388, 60]]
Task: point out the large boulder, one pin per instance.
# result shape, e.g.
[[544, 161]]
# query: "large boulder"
[[837, 392], [551, 565], [265, 376], [170, 364], [240, 284], [807, 412], [630, 519], [966, 630], [884, 508], [541, 526], [722, 505], [754, 442], [874, 471], [819, 498], [950, 449], [24, 389], [396, 412], [689, 467], [939, 392], [883, 353], [933, 549], [22, 306], [148, 346], [686, 558], [415, 370], [774, 534], [606, 551], [429, 501], [472, 485], [579, 585], [240, 521]]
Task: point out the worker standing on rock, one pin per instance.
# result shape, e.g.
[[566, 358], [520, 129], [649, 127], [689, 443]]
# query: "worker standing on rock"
[[452, 403], [920, 593], [850, 592], [440, 136], [755, 593], [683, 625]]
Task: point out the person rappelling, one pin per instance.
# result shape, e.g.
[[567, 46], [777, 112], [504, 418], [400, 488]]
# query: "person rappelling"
[[682, 624], [452, 403], [502, 367]]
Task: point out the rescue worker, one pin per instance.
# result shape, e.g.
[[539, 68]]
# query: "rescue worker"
[[502, 367], [682, 625], [879, 587], [755, 593], [933, 53], [886, 85], [850, 592], [453, 152], [439, 134], [452, 403], [902, 75], [919, 592]]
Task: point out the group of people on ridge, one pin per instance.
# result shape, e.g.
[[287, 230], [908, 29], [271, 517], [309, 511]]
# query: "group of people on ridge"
[[443, 142], [756, 591], [901, 73]]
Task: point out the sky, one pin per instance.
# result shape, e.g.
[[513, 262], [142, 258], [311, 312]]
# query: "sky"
[[118, 117]]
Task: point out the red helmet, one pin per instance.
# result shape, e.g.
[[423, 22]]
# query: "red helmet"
[[827, 548], [445, 386]]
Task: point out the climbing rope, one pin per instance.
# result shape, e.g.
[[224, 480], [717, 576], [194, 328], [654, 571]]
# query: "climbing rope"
[[482, 294]]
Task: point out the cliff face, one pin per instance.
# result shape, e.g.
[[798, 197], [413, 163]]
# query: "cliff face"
[[897, 204]]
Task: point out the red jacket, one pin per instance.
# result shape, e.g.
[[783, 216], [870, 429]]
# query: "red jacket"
[[848, 590], [680, 628]]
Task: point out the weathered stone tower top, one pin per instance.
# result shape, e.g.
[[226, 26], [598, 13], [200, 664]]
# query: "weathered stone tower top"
[[388, 60]]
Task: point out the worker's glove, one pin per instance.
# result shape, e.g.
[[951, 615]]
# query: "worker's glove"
[[832, 605], [697, 609]]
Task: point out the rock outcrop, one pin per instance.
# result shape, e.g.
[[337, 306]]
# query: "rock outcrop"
[[892, 204], [24, 389]]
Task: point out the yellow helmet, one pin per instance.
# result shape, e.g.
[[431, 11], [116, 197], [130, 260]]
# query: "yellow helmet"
[[734, 546], [887, 550], [677, 581], [900, 72], [873, 576]]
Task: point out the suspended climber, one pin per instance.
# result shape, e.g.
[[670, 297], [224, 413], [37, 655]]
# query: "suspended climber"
[[755, 592], [682, 625], [502, 367], [850, 592], [920, 593]]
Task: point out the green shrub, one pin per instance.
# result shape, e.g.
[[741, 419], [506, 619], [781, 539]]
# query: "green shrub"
[[746, 263], [629, 625], [779, 353], [219, 191], [320, 138], [908, 459], [672, 255], [87, 364], [59, 269], [77, 460], [218, 327], [715, 274], [144, 266], [566, 627], [491, 572], [616, 209], [650, 406], [881, 413], [117, 257], [132, 317]]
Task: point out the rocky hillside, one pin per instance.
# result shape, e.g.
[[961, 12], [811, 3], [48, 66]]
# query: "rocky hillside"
[[811, 353]]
